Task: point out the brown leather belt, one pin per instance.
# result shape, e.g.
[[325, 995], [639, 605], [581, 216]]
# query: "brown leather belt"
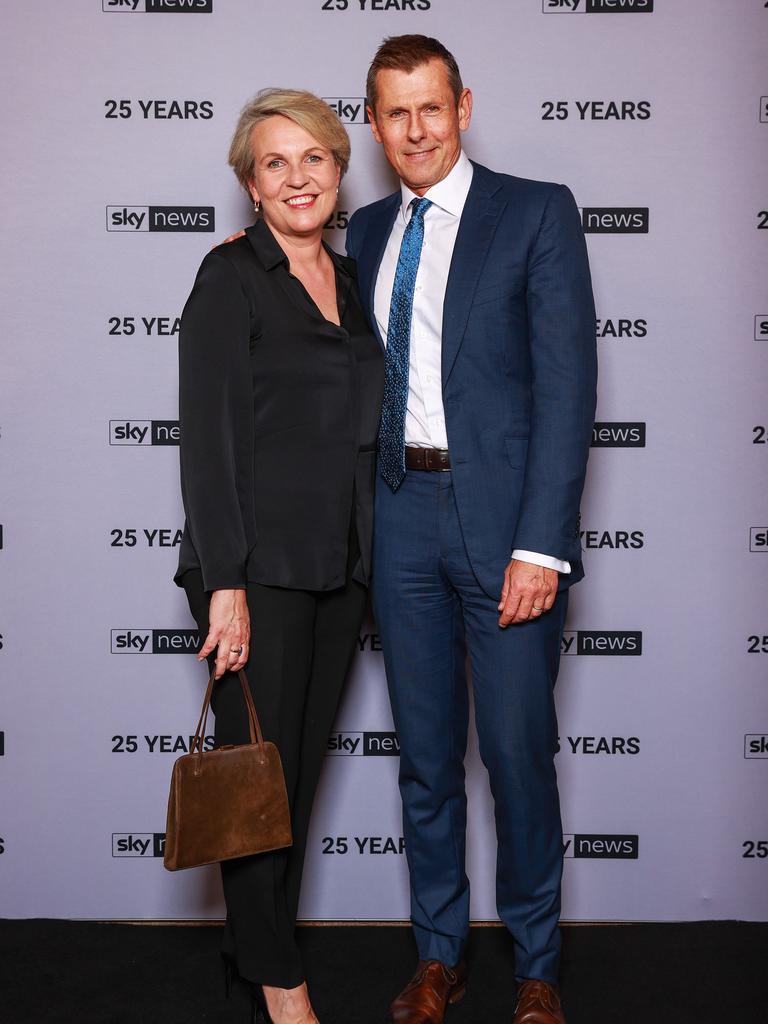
[[433, 460]]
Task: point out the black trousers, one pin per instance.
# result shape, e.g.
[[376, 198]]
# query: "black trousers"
[[302, 644]]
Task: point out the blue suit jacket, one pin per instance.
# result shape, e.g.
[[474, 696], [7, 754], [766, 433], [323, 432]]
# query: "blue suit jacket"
[[519, 364]]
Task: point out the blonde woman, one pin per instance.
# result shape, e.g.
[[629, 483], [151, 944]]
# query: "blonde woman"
[[279, 396]]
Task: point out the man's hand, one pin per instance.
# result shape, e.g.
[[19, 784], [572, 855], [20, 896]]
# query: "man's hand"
[[231, 238], [528, 591], [229, 629]]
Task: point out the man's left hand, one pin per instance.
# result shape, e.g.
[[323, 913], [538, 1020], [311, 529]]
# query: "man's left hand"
[[230, 238], [528, 591]]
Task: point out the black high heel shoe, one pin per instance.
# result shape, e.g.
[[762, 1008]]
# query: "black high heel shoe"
[[259, 1008]]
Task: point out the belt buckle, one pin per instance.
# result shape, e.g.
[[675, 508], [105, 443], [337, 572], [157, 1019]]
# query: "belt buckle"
[[438, 458]]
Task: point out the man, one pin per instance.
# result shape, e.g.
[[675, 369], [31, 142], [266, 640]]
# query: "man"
[[478, 285]]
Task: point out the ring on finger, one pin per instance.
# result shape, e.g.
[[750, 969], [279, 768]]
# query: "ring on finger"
[[237, 650]]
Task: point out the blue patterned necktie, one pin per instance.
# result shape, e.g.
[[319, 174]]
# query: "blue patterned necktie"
[[392, 428]]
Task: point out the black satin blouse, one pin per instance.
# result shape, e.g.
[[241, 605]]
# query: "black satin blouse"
[[279, 410]]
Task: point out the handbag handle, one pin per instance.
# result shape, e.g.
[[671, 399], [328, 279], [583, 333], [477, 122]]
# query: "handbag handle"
[[254, 728]]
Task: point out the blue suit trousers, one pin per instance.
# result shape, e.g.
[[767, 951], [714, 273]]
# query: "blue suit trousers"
[[430, 610]]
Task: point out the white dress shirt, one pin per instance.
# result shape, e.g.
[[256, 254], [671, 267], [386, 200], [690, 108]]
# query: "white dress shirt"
[[425, 416]]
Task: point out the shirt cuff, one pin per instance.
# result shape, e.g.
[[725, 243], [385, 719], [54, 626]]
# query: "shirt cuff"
[[547, 561]]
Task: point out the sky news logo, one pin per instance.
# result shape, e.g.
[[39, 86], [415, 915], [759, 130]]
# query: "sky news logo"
[[608, 847], [144, 432], [597, 6], [618, 435], [615, 220], [350, 109], [138, 844], [758, 538], [363, 744], [756, 745], [154, 641], [161, 218], [2, 743], [761, 327], [602, 641], [157, 6]]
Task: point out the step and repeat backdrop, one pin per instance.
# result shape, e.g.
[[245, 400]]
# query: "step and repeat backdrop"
[[116, 120]]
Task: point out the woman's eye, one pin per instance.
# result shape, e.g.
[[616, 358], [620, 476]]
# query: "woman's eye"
[[274, 163], [314, 158]]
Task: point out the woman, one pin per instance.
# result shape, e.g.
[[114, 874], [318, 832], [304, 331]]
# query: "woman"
[[279, 396]]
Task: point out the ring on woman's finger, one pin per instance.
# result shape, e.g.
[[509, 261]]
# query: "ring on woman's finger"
[[237, 650]]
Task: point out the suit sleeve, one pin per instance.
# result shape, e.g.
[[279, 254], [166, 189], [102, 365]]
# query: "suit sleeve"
[[561, 329], [215, 413]]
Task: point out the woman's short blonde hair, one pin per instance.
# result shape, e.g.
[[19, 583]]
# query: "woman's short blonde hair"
[[304, 109]]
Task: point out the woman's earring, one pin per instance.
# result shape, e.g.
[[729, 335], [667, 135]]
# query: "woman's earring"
[[257, 206]]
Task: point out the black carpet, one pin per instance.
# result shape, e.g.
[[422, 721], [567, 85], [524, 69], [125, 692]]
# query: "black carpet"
[[62, 972]]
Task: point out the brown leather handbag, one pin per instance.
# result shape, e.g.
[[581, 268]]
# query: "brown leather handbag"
[[228, 802]]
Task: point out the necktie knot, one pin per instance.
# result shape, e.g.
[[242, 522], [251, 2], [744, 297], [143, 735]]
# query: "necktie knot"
[[419, 207]]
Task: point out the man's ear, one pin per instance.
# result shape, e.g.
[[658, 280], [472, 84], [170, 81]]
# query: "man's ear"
[[465, 110], [372, 121]]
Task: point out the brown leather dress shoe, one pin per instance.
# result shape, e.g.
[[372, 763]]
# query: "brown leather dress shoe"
[[428, 993], [538, 1002]]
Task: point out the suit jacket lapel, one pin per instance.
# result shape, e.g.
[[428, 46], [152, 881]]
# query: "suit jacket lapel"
[[372, 252], [477, 227]]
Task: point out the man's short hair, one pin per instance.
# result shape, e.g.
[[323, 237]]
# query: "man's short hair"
[[406, 53]]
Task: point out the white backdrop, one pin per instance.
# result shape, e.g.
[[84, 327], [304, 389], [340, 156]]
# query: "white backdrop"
[[658, 121]]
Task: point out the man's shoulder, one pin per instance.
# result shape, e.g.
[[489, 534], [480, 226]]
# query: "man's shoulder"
[[365, 214], [510, 186], [366, 217]]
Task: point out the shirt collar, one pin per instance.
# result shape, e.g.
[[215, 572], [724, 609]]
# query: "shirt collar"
[[450, 194], [271, 254]]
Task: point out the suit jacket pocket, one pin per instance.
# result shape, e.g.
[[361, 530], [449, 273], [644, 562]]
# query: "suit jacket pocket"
[[503, 290], [487, 299], [517, 450]]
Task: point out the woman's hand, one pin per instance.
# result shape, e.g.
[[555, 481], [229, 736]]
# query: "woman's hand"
[[229, 629]]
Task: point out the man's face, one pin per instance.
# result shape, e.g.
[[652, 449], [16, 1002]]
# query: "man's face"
[[419, 123]]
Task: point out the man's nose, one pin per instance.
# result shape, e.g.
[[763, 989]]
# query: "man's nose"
[[415, 129]]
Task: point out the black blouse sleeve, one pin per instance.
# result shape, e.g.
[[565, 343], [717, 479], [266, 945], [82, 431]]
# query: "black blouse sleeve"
[[215, 418]]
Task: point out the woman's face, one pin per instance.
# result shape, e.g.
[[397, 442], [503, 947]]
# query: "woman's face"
[[294, 178]]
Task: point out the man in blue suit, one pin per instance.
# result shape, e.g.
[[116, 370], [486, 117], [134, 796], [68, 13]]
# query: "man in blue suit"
[[478, 285]]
